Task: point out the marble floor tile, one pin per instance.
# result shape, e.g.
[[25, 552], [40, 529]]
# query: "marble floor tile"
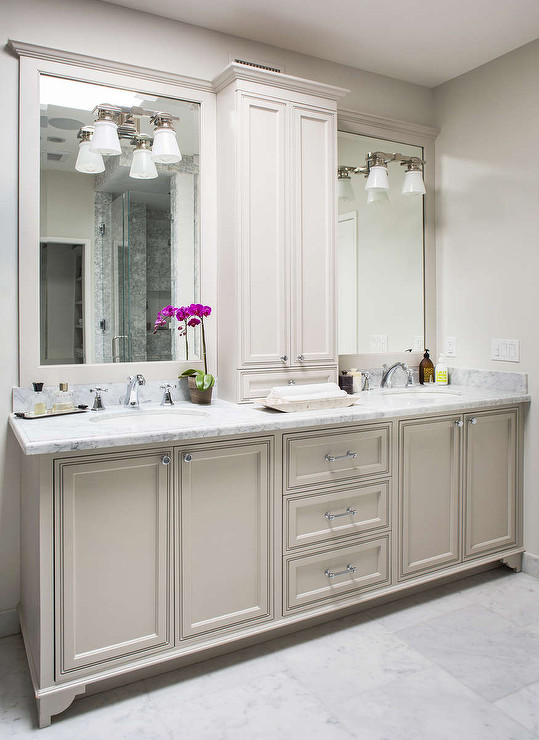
[[523, 706], [514, 596], [485, 651], [267, 707], [426, 705]]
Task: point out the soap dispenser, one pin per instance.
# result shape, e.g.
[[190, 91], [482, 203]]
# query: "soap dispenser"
[[63, 398], [441, 372], [38, 403], [426, 369]]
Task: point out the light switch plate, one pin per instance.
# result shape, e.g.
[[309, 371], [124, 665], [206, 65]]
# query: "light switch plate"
[[419, 343], [505, 350], [450, 347], [378, 342]]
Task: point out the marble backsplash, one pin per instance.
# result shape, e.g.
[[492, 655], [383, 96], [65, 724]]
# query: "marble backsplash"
[[151, 392]]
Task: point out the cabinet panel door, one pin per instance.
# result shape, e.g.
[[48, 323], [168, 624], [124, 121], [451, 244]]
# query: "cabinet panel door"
[[225, 536], [264, 314], [113, 558], [314, 224], [490, 481], [429, 493]]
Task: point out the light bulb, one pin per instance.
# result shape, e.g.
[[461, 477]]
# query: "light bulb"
[[413, 183], [377, 179], [344, 189], [105, 139], [165, 147], [143, 167], [377, 197], [88, 161]]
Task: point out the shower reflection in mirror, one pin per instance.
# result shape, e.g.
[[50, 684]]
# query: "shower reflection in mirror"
[[119, 221]]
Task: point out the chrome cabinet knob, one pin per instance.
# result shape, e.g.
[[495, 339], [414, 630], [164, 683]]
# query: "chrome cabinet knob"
[[187, 457], [458, 423], [473, 420], [300, 358], [283, 358], [291, 382], [165, 459]]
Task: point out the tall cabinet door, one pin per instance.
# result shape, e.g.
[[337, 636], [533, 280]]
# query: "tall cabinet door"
[[264, 298], [113, 558], [225, 526], [429, 493], [490, 491], [314, 223]]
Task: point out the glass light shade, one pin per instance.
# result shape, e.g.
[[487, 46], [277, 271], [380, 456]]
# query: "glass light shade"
[[105, 138], [143, 166], [377, 197], [344, 189], [377, 179], [165, 147], [413, 183], [88, 161]]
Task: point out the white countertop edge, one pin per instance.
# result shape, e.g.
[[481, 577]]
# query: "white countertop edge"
[[247, 419]]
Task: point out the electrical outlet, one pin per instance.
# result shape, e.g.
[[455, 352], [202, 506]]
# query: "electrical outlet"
[[450, 347], [505, 350], [419, 343]]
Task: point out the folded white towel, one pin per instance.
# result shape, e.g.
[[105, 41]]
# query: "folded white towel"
[[308, 397], [312, 390]]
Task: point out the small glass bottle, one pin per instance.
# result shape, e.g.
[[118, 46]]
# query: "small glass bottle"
[[38, 403], [63, 398]]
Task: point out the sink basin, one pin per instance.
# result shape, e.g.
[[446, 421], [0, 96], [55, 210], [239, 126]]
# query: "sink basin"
[[147, 419], [415, 395]]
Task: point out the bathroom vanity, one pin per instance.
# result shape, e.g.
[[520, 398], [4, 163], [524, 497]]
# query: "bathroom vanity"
[[147, 548]]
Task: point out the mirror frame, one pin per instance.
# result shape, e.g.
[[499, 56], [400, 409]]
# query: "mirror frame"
[[34, 61], [365, 124]]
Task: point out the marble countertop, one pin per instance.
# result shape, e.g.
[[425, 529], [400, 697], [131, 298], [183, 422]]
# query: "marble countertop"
[[118, 426]]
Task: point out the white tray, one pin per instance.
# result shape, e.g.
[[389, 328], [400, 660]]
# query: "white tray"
[[311, 405]]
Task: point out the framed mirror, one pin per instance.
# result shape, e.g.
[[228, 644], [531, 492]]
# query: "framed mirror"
[[385, 247], [110, 236]]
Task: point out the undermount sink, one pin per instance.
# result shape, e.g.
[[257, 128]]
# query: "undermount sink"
[[415, 395], [147, 419]]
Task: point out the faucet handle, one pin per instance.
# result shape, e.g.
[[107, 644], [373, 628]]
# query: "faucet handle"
[[410, 380], [98, 401], [167, 398], [367, 381]]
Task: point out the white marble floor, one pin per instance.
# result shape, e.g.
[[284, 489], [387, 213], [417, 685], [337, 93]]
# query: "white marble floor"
[[461, 661]]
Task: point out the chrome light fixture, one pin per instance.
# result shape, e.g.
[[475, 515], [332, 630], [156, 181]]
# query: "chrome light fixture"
[[143, 167], [88, 161], [375, 170], [165, 146]]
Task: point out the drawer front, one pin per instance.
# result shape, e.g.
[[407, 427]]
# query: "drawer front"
[[330, 516], [316, 459], [336, 573], [257, 384]]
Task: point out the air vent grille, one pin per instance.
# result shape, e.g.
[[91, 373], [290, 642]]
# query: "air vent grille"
[[258, 66]]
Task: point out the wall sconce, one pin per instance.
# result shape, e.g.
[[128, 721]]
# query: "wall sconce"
[[88, 161], [114, 123], [375, 170]]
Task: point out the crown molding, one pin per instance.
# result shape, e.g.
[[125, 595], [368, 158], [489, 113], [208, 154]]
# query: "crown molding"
[[22, 49], [236, 71], [358, 118]]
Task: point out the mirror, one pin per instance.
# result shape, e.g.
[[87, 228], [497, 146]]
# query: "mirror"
[[117, 245], [380, 249]]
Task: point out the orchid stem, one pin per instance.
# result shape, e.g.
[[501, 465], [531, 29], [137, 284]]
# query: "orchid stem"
[[204, 345], [186, 341]]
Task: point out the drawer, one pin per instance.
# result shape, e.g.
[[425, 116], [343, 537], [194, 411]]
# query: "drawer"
[[330, 516], [257, 384], [315, 459], [336, 573]]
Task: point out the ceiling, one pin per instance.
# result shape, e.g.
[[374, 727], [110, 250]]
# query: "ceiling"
[[426, 42]]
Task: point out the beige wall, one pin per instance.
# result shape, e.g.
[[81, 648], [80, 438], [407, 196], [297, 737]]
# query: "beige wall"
[[141, 39], [487, 173]]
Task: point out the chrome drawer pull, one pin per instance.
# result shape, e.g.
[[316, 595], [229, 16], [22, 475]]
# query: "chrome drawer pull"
[[349, 569], [349, 455], [349, 512]]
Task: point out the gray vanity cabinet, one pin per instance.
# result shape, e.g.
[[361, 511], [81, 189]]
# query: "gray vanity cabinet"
[[490, 481], [113, 582], [429, 494], [225, 536]]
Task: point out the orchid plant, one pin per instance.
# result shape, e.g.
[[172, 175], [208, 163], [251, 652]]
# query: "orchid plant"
[[189, 316]]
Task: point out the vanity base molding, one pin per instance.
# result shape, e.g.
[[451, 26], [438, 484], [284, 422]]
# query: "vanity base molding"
[[57, 698]]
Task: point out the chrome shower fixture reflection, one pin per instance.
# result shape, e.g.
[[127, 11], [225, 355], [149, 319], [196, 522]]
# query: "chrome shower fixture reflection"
[[113, 123], [375, 170]]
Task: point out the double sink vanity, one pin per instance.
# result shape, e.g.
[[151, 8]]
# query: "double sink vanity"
[[155, 537]]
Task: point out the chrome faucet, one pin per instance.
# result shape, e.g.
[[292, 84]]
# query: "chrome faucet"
[[167, 397], [388, 372], [131, 397]]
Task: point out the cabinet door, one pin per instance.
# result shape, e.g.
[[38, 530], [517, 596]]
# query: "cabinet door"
[[225, 536], [429, 494], [264, 290], [113, 558], [314, 224], [490, 481]]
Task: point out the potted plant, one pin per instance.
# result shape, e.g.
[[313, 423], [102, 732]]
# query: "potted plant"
[[200, 382]]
